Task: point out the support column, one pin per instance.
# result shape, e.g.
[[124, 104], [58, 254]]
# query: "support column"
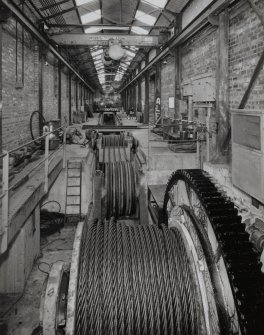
[[40, 92], [76, 95], [158, 93], [70, 93], [59, 90], [146, 109], [139, 95], [222, 93], [178, 97], [134, 96]]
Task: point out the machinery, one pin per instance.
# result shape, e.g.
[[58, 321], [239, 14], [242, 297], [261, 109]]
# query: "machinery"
[[109, 117], [193, 273], [39, 126]]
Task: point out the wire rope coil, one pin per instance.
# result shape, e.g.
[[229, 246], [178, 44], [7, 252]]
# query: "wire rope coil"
[[135, 280]]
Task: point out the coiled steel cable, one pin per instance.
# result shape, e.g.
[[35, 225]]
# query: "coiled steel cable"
[[120, 190], [135, 280]]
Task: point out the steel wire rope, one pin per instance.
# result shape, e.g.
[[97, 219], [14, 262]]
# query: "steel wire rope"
[[129, 276]]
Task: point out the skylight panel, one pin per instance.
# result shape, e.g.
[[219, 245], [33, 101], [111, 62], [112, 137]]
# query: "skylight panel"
[[97, 52], [145, 18], [156, 3], [92, 16], [83, 2], [92, 30], [139, 30], [130, 53]]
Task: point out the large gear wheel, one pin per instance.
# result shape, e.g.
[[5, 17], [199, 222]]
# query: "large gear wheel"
[[227, 268]]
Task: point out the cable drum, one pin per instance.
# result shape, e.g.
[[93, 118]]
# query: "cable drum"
[[120, 197], [136, 280]]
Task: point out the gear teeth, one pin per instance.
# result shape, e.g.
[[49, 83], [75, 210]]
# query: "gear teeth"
[[242, 264]]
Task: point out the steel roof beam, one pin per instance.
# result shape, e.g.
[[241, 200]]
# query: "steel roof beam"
[[103, 39], [76, 25]]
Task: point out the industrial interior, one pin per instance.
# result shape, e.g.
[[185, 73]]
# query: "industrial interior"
[[132, 167]]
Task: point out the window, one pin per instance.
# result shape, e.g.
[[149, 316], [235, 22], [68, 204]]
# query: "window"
[[145, 18], [156, 3], [92, 16], [139, 30]]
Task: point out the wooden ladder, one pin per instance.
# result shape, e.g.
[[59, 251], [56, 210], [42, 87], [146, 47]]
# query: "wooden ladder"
[[73, 204]]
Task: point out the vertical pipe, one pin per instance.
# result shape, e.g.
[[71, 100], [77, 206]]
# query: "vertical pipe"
[[76, 95], [139, 99], [146, 111], [70, 93], [46, 167], [41, 65], [59, 89], [158, 92], [5, 202], [64, 147]]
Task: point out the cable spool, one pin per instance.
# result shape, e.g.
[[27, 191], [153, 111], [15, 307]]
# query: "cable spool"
[[120, 189], [113, 140], [136, 280]]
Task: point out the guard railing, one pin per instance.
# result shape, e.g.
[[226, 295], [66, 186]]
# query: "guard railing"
[[6, 188]]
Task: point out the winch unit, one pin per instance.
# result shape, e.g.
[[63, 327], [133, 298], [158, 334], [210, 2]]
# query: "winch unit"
[[194, 273]]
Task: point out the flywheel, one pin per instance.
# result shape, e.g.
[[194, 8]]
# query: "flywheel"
[[227, 269]]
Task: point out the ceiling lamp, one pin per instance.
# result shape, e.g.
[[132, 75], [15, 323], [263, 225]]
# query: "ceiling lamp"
[[116, 52]]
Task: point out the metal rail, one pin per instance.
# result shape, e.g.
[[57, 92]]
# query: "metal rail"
[[6, 189]]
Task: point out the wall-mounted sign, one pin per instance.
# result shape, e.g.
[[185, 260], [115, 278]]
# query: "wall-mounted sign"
[[171, 102]]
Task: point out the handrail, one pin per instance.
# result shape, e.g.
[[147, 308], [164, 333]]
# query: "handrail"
[[4, 196], [37, 139], [32, 141]]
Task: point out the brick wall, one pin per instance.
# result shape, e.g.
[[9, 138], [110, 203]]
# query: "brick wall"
[[21, 85], [50, 89], [246, 45], [167, 86], [198, 54], [20, 98]]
